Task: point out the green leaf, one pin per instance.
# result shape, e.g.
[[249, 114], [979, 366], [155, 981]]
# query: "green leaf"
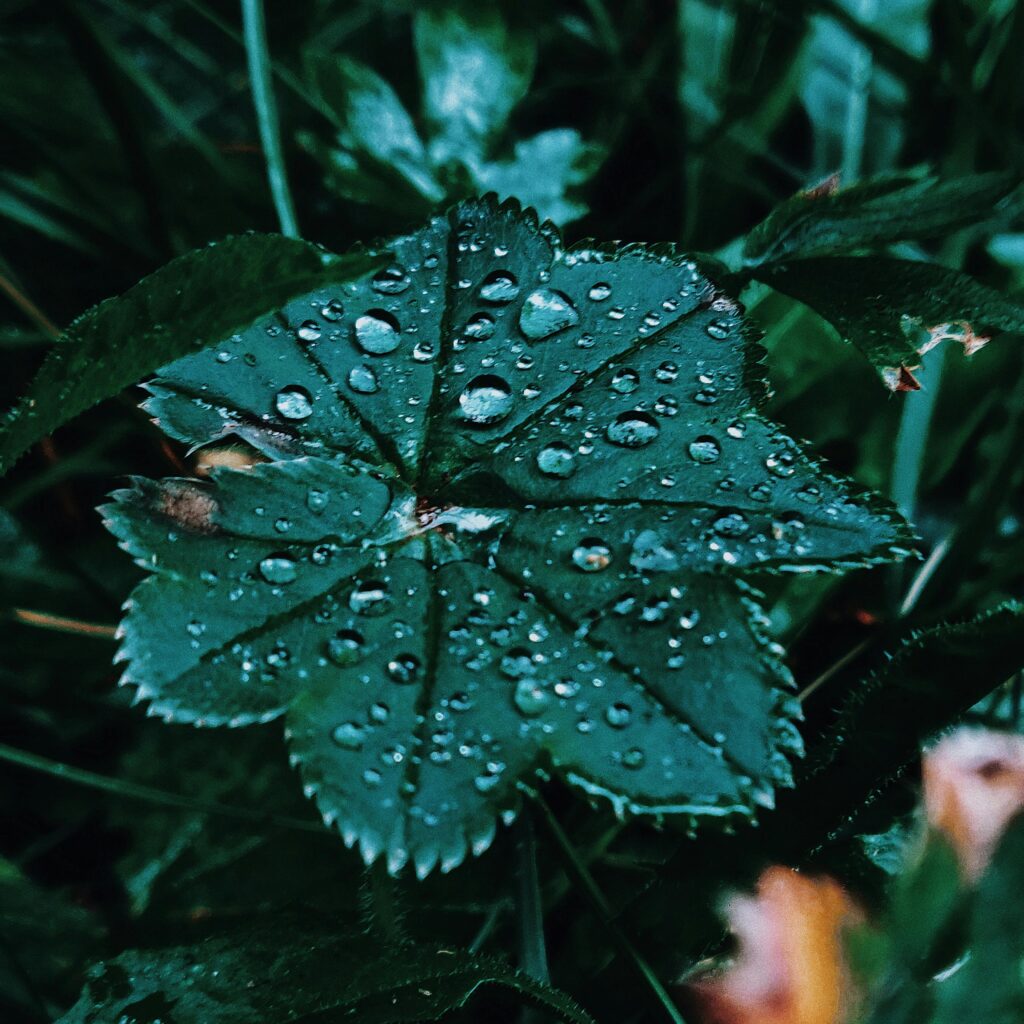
[[184, 306], [542, 171], [515, 496], [878, 212], [989, 987], [294, 970], [474, 70], [375, 130], [894, 311]]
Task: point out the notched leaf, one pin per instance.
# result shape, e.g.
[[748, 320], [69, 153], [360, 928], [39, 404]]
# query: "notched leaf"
[[516, 532]]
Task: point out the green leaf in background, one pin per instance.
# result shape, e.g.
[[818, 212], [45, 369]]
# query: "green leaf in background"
[[297, 970], [475, 69], [899, 207], [184, 306], [894, 311], [515, 495]]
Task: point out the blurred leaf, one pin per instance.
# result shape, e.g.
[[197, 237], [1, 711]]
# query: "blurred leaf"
[[894, 311], [475, 69], [542, 173], [184, 306], [880, 211], [579, 588], [294, 969]]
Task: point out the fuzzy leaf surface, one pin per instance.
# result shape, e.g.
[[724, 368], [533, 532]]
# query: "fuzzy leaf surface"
[[513, 498]]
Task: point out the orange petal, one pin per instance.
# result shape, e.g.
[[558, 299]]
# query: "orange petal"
[[973, 786], [790, 968]]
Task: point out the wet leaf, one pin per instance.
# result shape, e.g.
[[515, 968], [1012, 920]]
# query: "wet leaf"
[[895, 311], [290, 971], [184, 306], [878, 212], [514, 500]]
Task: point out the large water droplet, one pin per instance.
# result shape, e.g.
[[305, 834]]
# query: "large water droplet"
[[377, 332], [618, 715], [363, 380], [704, 450], [294, 403], [633, 429], [346, 648], [391, 280], [592, 555], [278, 569], [556, 459], [531, 697], [349, 735], [487, 399], [545, 312], [370, 597], [499, 287]]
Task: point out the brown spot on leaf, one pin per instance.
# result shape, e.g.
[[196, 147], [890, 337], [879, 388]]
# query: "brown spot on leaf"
[[827, 187], [209, 459], [189, 505]]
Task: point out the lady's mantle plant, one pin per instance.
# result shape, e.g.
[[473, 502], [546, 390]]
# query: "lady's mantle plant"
[[506, 508]]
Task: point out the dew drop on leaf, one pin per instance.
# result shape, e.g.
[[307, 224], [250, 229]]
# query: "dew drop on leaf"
[[531, 697], [626, 381], [556, 459], [486, 399], [634, 758], [363, 380], [294, 403], [370, 597], [278, 569], [704, 450], [309, 330], [618, 715], [479, 327], [592, 555], [633, 429], [600, 291], [333, 310], [545, 312], [392, 280], [346, 647], [349, 735], [377, 332], [499, 287], [404, 668]]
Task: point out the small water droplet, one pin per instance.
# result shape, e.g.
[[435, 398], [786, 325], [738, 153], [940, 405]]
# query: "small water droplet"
[[310, 330], [486, 399], [349, 735], [404, 668], [370, 597], [316, 499], [666, 373], [294, 403], [499, 287], [626, 381], [392, 280], [531, 697], [600, 291], [278, 569], [633, 429], [704, 450], [592, 555], [346, 647], [333, 310], [634, 758], [556, 459], [363, 380], [618, 715], [377, 332], [545, 312]]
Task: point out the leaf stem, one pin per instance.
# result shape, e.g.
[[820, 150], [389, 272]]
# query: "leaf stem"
[[62, 624], [137, 791], [585, 880], [533, 958], [255, 32]]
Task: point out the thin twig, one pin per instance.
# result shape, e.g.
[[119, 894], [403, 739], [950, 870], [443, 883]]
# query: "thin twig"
[[61, 624], [261, 84], [29, 308]]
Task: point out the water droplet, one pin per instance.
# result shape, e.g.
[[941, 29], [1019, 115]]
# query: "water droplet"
[[346, 647], [518, 663], [781, 464], [634, 758], [592, 555], [666, 373], [704, 450], [618, 715], [391, 280], [731, 524], [736, 429], [626, 381], [600, 291], [531, 697], [545, 312], [370, 597], [499, 287], [404, 668], [720, 329], [633, 429], [423, 351], [316, 500], [278, 569], [479, 327], [380, 712], [294, 403], [556, 459], [363, 380], [349, 735], [333, 310], [377, 332], [309, 330], [486, 399]]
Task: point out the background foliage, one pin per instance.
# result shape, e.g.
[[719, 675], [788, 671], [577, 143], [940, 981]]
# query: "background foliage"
[[130, 138]]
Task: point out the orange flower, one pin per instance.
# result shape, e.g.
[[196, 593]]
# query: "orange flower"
[[973, 786], [790, 968]]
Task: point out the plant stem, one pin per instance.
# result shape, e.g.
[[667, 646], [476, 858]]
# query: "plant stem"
[[136, 791], [857, 102], [585, 880], [255, 31], [533, 957]]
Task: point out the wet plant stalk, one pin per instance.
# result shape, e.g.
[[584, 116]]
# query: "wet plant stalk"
[[533, 957], [261, 84]]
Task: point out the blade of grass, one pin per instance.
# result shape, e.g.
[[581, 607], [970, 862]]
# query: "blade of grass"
[[533, 957], [255, 32]]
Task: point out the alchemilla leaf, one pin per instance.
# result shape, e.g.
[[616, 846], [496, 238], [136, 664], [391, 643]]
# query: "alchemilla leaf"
[[510, 501]]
